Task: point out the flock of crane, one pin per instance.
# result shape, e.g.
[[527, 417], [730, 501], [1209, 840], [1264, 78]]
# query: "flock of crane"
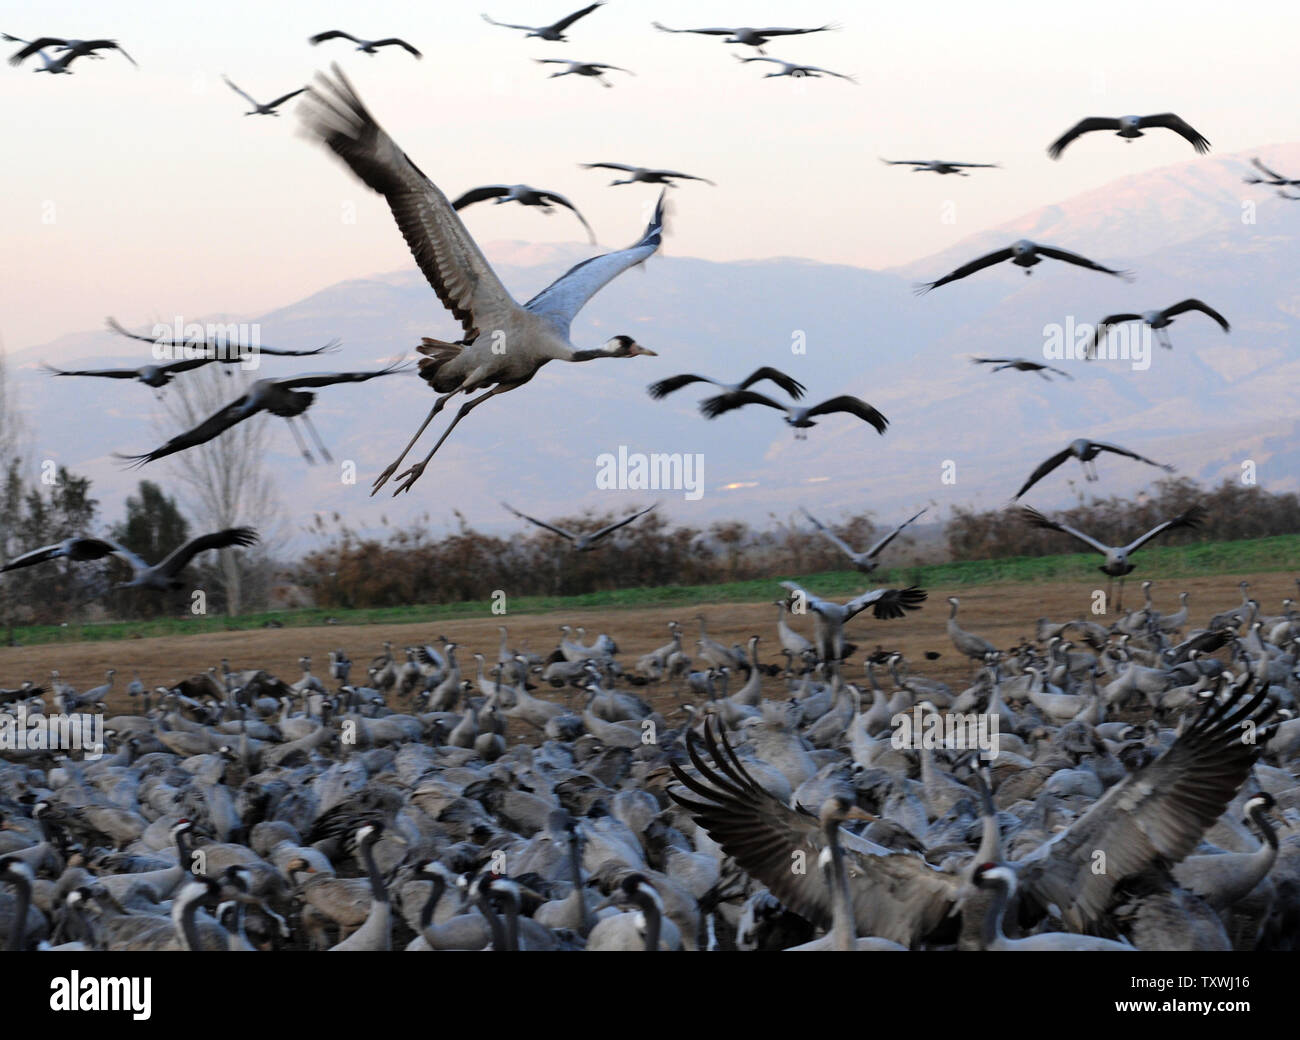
[[682, 798], [432, 809]]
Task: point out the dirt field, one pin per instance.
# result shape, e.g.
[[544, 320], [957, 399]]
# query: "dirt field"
[[1003, 614]]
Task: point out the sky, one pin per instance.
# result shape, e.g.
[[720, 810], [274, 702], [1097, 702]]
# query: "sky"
[[145, 192]]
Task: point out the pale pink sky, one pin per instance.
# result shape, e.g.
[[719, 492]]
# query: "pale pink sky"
[[140, 192]]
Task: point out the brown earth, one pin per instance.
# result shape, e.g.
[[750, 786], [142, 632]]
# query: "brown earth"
[[1002, 614]]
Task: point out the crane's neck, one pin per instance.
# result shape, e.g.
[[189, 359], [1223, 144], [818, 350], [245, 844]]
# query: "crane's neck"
[[499, 941], [653, 919], [991, 936], [183, 914], [378, 890], [18, 929], [579, 893], [1267, 852], [431, 904], [512, 922], [843, 931], [990, 850]]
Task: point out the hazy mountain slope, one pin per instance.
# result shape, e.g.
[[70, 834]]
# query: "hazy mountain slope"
[[1207, 405]]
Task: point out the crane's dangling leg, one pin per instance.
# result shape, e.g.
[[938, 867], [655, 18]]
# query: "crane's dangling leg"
[[324, 451], [302, 445], [415, 472], [382, 479], [1119, 601]]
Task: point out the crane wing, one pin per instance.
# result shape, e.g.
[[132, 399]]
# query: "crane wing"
[[562, 299], [285, 97], [35, 45], [830, 535], [1083, 126], [443, 249], [620, 523], [1082, 261], [490, 191], [241, 94], [507, 25], [887, 604], [815, 603], [1197, 305], [791, 386], [853, 406], [967, 269], [540, 523], [1178, 126], [1036, 519], [896, 896], [1153, 817], [213, 426], [684, 176], [667, 386], [116, 326], [103, 373], [1191, 519], [568, 20], [330, 378], [393, 41], [712, 407], [1266, 171], [74, 549], [705, 32], [1115, 449], [181, 556], [328, 348], [560, 200], [876, 549], [332, 34], [793, 32], [1042, 471]]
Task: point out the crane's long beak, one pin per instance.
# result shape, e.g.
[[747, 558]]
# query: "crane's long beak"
[[860, 814]]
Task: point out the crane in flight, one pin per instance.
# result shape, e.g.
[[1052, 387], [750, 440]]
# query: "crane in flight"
[[580, 542], [504, 344], [289, 398], [553, 32]]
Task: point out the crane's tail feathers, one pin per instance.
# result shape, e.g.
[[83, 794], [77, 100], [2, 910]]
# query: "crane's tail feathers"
[[436, 354]]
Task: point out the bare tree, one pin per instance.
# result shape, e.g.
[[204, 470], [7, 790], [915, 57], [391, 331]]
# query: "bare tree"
[[11, 420], [226, 480], [10, 437]]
